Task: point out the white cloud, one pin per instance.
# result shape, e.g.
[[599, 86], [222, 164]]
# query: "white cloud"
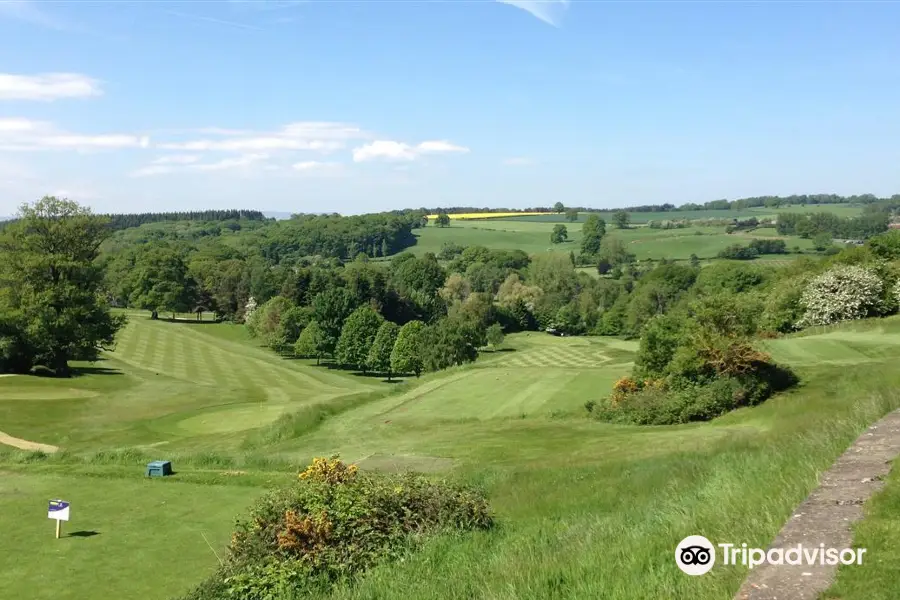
[[48, 86], [28, 12], [230, 163], [440, 146], [17, 125], [314, 136], [315, 168], [385, 149], [187, 164], [24, 134], [311, 165], [548, 11], [253, 143], [391, 150], [152, 170], [177, 159]]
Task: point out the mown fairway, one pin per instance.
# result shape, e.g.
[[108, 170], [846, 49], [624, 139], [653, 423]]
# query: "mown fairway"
[[587, 510]]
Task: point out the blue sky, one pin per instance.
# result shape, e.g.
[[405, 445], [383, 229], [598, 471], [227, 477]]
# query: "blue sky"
[[364, 106]]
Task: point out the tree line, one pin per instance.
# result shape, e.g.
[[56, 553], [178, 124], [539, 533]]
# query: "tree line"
[[119, 221], [892, 202], [812, 224], [63, 268]]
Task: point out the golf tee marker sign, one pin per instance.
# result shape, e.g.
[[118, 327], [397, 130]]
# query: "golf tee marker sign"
[[58, 511]]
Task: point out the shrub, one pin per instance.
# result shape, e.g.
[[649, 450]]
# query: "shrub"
[[843, 293], [782, 310], [494, 335], [769, 246], [334, 523], [658, 403], [695, 368], [738, 252]]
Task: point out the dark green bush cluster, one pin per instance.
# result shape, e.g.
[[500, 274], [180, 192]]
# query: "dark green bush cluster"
[[333, 524], [694, 368], [754, 249]]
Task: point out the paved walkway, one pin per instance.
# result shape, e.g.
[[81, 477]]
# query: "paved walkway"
[[827, 516]]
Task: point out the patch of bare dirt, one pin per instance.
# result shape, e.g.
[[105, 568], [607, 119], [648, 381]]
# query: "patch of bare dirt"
[[25, 444]]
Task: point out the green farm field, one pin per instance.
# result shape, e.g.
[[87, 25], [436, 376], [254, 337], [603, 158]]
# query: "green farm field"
[[843, 210], [586, 509], [643, 242]]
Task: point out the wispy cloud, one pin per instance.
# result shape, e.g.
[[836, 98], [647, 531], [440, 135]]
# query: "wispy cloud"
[[177, 159], [318, 169], [28, 12], [47, 86], [548, 11], [518, 161], [305, 135], [18, 134], [265, 5], [391, 150], [213, 20], [230, 163], [175, 164]]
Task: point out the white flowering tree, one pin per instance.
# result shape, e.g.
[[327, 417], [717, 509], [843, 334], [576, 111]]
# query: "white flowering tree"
[[840, 294], [897, 292], [249, 308]]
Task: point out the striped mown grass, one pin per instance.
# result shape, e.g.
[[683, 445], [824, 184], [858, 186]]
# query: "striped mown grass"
[[585, 509]]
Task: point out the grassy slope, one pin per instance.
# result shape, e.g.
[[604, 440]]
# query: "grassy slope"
[[879, 576], [586, 509]]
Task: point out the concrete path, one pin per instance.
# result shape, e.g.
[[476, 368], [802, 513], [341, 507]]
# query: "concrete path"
[[827, 516]]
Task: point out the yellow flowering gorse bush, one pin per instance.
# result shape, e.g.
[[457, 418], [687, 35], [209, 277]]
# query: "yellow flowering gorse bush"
[[331, 471]]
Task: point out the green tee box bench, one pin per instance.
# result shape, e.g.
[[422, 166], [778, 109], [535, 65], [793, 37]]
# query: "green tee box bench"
[[159, 468]]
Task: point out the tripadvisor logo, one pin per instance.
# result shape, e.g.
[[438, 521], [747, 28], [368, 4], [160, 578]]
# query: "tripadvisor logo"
[[696, 555]]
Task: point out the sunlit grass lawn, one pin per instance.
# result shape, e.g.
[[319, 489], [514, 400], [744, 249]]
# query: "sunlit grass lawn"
[[878, 578], [584, 509]]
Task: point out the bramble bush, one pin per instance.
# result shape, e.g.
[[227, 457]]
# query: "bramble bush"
[[332, 525]]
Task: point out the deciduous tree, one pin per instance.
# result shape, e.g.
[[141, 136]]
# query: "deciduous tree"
[[311, 342], [592, 233], [406, 357], [51, 308], [330, 308], [357, 336], [559, 235], [622, 219], [379, 358]]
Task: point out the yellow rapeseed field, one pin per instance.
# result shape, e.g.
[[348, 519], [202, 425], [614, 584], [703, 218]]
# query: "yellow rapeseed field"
[[491, 215]]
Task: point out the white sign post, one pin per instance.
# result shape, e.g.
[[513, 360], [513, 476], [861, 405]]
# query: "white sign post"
[[58, 511]]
